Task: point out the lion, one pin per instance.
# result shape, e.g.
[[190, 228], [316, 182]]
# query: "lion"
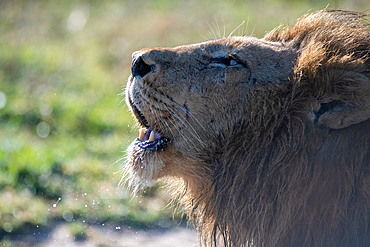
[[265, 141]]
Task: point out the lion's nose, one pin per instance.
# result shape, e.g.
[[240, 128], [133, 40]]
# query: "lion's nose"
[[139, 67]]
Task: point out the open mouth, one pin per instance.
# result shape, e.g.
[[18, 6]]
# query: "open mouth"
[[149, 139]]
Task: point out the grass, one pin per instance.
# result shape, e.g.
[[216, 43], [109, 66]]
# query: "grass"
[[63, 125]]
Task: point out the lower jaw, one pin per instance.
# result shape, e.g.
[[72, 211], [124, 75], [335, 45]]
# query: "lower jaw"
[[158, 145], [144, 163]]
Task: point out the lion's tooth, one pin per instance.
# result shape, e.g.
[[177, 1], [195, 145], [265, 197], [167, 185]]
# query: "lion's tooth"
[[152, 136], [142, 134]]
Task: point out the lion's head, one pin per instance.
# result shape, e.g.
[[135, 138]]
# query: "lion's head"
[[269, 137]]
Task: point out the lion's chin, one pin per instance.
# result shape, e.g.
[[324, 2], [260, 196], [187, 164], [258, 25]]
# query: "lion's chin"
[[145, 162]]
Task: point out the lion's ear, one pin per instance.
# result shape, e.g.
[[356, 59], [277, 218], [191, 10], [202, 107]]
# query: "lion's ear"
[[350, 104]]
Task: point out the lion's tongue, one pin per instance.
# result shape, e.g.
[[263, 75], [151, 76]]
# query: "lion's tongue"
[[149, 135]]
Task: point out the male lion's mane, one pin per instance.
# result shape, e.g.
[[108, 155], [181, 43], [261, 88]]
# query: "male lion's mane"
[[274, 185]]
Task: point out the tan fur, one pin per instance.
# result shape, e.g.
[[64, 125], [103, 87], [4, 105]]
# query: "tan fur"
[[273, 151]]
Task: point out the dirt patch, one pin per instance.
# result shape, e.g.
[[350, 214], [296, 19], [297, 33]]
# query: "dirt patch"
[[104, 236]]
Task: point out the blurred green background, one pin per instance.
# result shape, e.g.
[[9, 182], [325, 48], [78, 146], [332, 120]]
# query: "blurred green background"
[[63, 126]]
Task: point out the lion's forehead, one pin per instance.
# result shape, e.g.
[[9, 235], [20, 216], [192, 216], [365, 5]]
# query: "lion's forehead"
[[215, 47], [212, 49]]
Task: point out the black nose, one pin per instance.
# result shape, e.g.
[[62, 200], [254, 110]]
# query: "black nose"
[[139, 67]]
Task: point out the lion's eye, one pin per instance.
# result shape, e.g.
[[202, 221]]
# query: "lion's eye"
[[223, 62], [230, 61], [233, 62]]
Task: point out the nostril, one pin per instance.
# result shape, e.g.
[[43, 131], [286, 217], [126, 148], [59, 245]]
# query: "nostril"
[[139, 67]]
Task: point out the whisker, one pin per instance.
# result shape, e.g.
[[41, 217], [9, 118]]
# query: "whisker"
[[217, 27], [180, 131], [204, 37], [213, 32], [190, 114], [162, 122], [184, 136], [165, 122], [119, 160], [245, 32], [236, 28], [253, 30], [188, 124]]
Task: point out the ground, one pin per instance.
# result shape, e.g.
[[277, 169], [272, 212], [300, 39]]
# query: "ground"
[[104, 236]]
